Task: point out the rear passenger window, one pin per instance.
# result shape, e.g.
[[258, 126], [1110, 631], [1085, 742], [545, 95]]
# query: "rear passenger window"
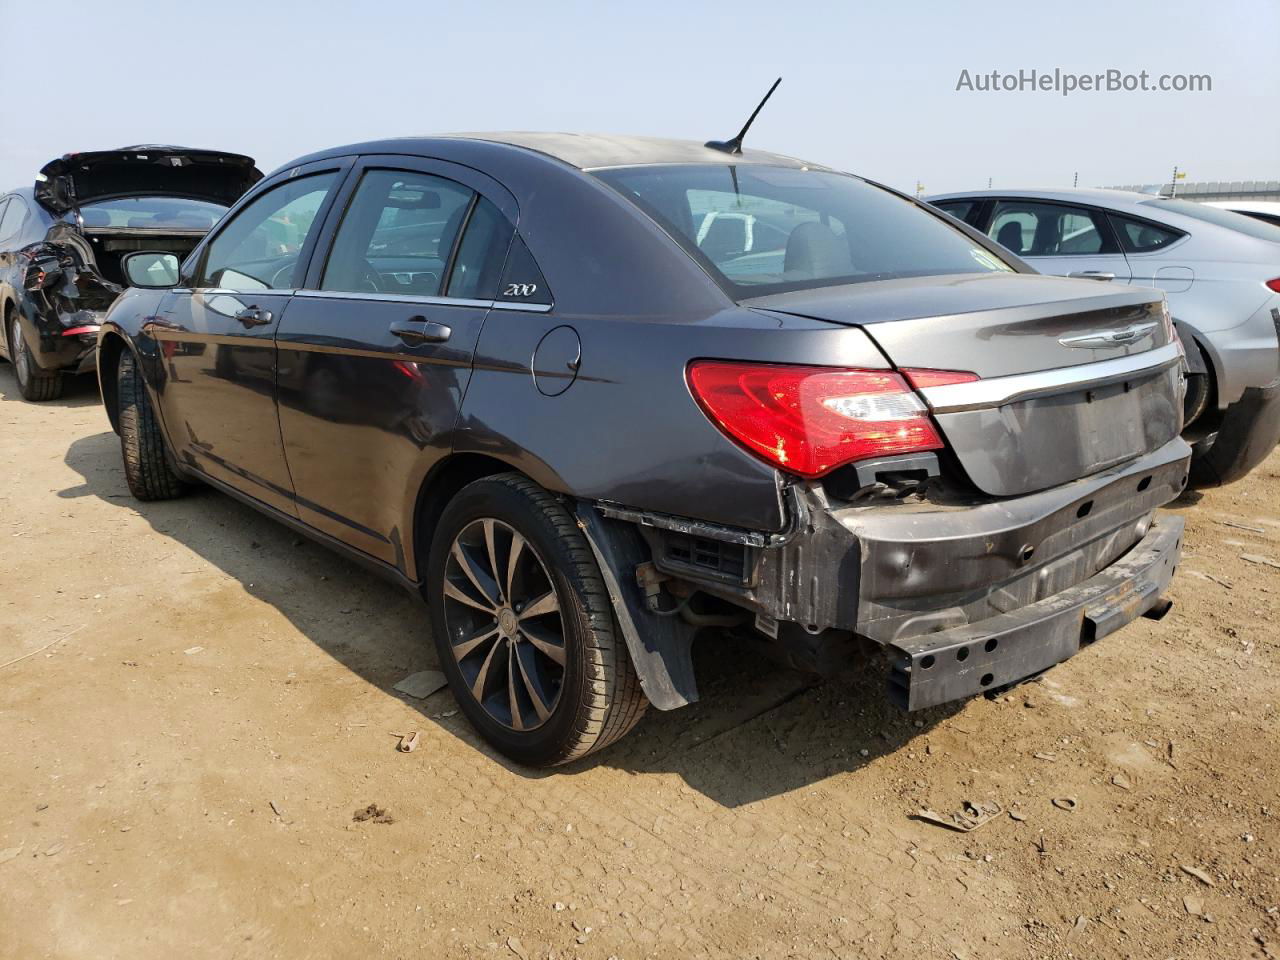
[[1137, 236], [480, 255], [960, 209], [397, 234], [1032, 229], [522, 281]]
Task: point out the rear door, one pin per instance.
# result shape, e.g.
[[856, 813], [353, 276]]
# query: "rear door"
[[375, 353], [1058, 238], [217, 336]]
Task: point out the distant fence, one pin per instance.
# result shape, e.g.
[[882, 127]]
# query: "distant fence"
[[1214, 190]]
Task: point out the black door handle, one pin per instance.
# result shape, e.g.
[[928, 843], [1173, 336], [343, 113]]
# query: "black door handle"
[[419, 330], [254, 317]]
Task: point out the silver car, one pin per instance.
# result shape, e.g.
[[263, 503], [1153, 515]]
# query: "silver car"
[[1219, 270]]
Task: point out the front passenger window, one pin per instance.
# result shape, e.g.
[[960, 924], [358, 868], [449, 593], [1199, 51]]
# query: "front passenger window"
[[260, 249]]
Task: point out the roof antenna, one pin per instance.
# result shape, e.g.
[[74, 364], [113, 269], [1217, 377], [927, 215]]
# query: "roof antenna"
[[734, 146]]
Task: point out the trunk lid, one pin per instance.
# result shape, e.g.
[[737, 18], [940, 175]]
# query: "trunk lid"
[[1074, 377], [144, 171]]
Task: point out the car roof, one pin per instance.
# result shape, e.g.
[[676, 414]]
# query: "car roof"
[[1077, 194], [586, 151], [1256, 206]]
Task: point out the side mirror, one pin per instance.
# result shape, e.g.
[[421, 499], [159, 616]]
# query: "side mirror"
[[150, 268]]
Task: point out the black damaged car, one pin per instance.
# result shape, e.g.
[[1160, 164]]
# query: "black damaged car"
[[61, 242], [587, 395]]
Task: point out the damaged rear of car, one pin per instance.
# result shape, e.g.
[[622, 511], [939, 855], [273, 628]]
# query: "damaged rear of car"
[[61, 243]]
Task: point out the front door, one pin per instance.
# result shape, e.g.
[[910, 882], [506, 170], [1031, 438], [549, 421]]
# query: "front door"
[[1059, 239], [375, 353], [217, 339]]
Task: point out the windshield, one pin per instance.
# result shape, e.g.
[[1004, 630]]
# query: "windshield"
[[152, 213], [763, 230], [1223, 218]]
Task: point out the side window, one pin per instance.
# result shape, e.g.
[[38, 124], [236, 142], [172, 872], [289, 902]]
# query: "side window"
[[11, 218], [480, 254], [260, 248], [522, 281], [4, 205], [1032, 229], [960, 209], [1136, 236], [397, 234]]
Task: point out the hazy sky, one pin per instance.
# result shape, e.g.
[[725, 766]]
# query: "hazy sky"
[[868, 87]]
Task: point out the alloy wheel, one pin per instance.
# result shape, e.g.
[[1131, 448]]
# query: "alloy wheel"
[[504, 624], [18, 352]]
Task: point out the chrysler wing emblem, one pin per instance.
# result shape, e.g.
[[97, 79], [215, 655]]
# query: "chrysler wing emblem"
[[1109, 338]]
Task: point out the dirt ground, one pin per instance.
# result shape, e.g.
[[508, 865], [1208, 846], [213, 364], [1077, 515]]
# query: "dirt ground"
[[207, 700]]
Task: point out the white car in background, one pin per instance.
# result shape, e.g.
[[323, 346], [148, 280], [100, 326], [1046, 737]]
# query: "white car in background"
[[1268, 211], [1219, 270]]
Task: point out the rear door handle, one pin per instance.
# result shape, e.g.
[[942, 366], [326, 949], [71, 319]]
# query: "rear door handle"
[[254, 317], [419, 330], [1092, 275]]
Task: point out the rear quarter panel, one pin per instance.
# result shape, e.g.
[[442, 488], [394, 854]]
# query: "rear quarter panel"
[[627, 428]]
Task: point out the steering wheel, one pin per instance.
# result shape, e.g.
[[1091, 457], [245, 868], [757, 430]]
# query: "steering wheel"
[[370, 279], [283, 274]]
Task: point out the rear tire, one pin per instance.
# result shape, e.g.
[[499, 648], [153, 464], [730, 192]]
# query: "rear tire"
[[597, 696], [146, 467], [33, 383]]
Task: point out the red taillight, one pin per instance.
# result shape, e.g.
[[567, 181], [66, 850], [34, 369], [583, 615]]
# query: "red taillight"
[[77, 331], [1274, 284], [937, 378], [810, 420]]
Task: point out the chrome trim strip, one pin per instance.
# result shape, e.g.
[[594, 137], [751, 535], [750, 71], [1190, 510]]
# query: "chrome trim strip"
[[419, 298], [391, 298], [998, 391], [523, 307], [230, 292]]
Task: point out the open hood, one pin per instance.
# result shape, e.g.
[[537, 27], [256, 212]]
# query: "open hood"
[[144, 171]]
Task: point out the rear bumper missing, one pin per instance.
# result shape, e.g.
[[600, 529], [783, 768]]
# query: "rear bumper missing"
[[1038, 574], [1004, 649], [1249, 432]]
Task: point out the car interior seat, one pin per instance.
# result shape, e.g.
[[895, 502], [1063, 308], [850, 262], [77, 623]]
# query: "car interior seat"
[[725, 238], [95, 218], [1010, 237], [814, 251]]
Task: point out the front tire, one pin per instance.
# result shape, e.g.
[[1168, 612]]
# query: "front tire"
[[146, 466], [34, 383], [524, 626]]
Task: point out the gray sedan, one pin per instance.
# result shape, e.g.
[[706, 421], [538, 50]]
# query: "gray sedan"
[[586, 396], [1220, 271]]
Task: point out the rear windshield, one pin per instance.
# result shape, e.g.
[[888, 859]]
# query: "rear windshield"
[[763, 230], [152, 213], [1215, 215]]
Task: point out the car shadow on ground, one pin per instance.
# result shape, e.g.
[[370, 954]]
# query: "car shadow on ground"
[[759, 729], [78, 390]]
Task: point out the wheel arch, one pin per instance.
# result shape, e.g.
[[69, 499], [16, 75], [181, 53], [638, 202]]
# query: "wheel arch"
[[1202, 358], [441, 485], [110, 345]]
